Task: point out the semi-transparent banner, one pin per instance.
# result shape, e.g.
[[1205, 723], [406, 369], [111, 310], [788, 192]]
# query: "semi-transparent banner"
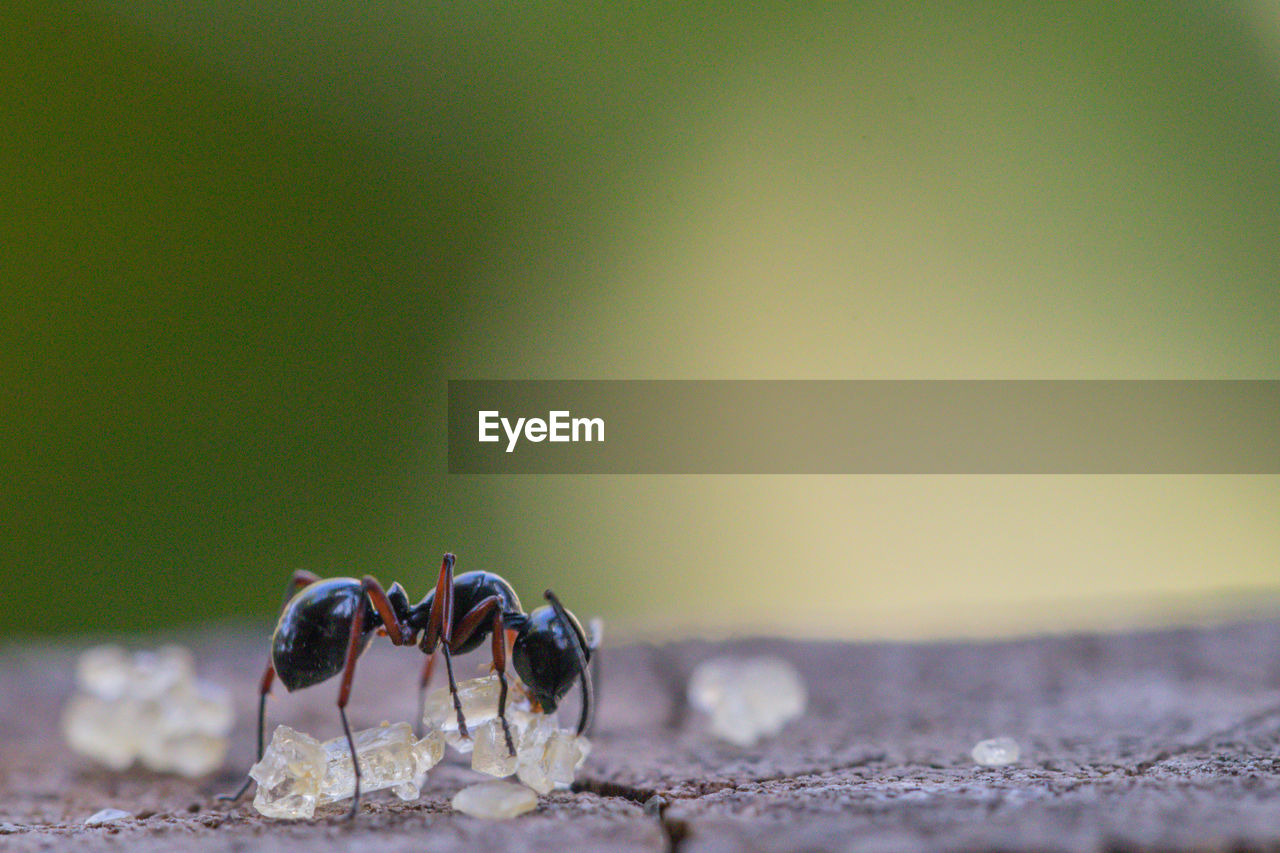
[[864, 427]]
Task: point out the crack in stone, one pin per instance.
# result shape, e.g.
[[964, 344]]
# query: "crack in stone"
[[674, 830], [605, 788], [698, 788]]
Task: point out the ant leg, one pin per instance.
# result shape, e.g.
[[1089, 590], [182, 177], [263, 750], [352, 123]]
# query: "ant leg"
[[500, 664], [355, 762], [441, 618], [440, 631], [344, 693], [397, 632], [264, 688], [299, 579], [453, 689], [423, 680], [467, 627]]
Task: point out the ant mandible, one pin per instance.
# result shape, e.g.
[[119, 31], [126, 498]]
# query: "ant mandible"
[[325, 625]]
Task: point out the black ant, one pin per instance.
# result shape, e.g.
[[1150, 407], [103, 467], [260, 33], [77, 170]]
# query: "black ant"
[[326, 624]]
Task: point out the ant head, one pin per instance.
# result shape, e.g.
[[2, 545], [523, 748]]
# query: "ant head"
[[550, 653]]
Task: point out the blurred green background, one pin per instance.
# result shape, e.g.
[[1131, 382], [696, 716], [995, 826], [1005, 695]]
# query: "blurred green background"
[[245, 245]]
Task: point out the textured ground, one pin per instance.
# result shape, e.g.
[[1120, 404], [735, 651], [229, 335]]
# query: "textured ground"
[[1159, 740]]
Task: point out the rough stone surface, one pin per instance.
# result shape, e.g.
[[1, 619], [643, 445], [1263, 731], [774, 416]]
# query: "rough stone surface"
[[1158, 740]]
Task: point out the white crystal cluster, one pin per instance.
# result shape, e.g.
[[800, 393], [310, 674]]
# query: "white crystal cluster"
[[747, 698], [149, 707], [298, 772], [996, 752], [546, 756]]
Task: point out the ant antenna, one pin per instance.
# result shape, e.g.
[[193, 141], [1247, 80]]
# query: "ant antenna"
[[580, 649]]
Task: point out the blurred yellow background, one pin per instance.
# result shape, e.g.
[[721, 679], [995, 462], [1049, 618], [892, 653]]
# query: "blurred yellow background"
[[245, 245]]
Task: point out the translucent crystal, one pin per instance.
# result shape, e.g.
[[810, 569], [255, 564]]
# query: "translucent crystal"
[[530, 768], [490, 753], [147, 706], [531, 733], [427, 753], [389, 758], [479, 697], [496, 800], [533, 774], [996, 752], [186, 730], [200, 706], [107, 816], [747, 698], [534, 734], [298, 773], [102, 729], [289, 775], [191, 755], [156, 673], [552, 763], [104, 671], [563, 755]]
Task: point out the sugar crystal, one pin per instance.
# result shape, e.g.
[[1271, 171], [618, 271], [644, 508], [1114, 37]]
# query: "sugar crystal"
[[996, 752], [531, 769], [102, 729], [156, 673], [104, 671], [428, 751], [535, 734], [201, 706], [289, 775], [563, 755], [539, 742], [147, 706], [186, 731], [495, 800], [747, 698], [534, 775], [554, 763], [298, 773], [490, 753], [390, 757], [479, 697], [189, 755]]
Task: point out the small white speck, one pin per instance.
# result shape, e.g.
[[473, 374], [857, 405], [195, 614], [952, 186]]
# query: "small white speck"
[[996, 752], [107, 816]]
